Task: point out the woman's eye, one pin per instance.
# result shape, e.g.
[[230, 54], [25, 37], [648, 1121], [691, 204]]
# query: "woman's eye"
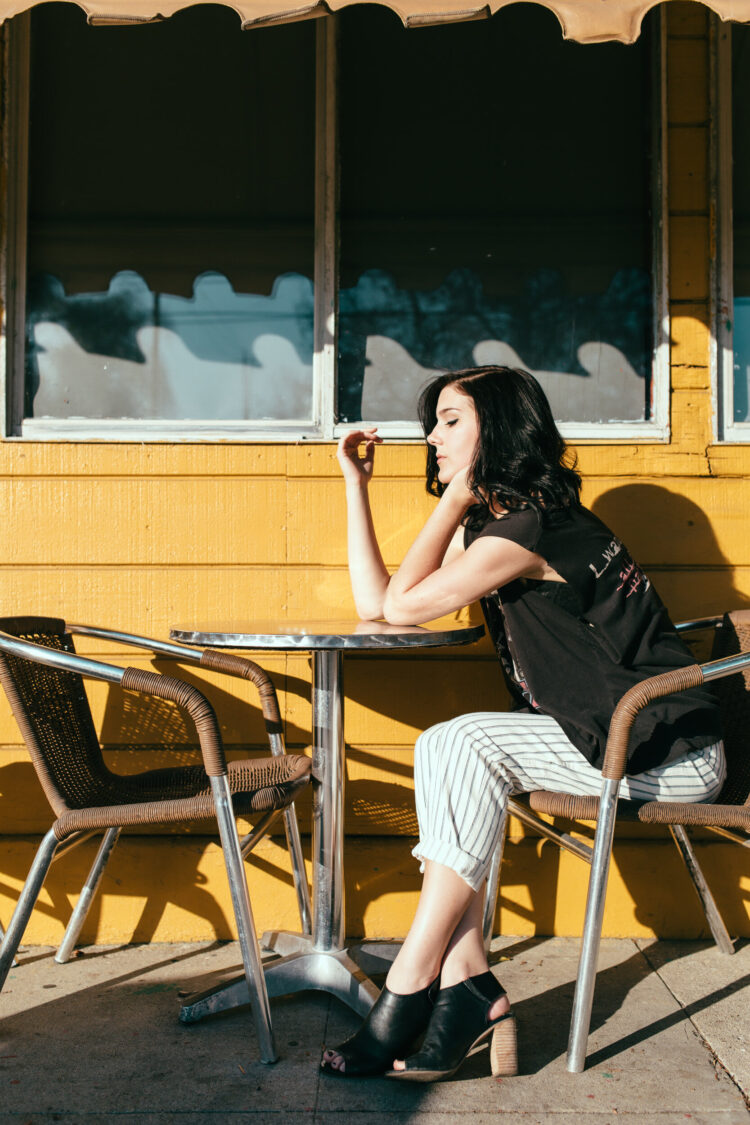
[[452, 422]]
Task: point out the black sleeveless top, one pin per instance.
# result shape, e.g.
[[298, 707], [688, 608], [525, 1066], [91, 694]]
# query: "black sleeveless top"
[[571, 649]]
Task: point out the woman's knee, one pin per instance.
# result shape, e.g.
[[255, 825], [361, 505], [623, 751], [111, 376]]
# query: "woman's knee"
[[428, 743]]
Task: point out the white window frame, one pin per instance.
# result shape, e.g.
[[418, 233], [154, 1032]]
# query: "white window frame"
[[722, 262], [323, 426]]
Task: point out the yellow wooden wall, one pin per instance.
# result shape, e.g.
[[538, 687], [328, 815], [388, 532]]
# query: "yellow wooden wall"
[[144, 537]]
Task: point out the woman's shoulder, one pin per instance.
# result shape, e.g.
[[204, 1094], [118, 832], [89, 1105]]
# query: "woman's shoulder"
[[523, 526]]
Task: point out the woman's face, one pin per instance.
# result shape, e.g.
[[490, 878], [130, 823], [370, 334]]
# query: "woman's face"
[[455, 434]]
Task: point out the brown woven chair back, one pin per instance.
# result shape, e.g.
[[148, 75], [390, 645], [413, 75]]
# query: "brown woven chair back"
[[734, 699], [52, 710]]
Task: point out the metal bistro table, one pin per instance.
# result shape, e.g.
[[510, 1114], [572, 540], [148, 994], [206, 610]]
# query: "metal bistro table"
[[319, 961]]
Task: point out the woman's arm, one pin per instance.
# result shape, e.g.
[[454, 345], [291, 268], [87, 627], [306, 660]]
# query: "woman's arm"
[[427, 585], [436, 576], [367, 571]]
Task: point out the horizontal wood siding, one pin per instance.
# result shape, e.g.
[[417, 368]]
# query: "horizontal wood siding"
[[145, 537]]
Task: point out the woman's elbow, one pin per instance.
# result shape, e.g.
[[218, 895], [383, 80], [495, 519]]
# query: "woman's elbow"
[[397, 611], [369, 608]]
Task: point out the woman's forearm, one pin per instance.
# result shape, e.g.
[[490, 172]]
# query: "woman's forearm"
[[367, 571], [426, 554]]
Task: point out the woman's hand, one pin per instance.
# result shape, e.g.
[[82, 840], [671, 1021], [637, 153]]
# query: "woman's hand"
[[357, 468], [458, 491]]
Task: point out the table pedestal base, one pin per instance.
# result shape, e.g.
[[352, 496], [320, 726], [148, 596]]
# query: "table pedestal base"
[[342, 973]]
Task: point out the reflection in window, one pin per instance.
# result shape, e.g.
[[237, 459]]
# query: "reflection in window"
[[131, 353], [495, 202], [741, 225], [170, 245]]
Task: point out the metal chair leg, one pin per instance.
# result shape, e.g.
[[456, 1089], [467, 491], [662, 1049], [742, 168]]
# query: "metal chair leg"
[[243, 915], [88, 890], [294, 845], [702, 889], [493, 880], [2, 936], [592, 927], [27, 899]]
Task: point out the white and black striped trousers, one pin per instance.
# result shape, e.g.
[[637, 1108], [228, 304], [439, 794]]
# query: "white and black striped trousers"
[[465, 770]]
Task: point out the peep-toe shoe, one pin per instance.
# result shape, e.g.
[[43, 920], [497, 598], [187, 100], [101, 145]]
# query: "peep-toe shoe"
[[391, 1027], [458, 1024]]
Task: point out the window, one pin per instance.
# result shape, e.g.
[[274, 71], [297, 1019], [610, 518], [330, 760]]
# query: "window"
[[279, 232], [495, 208], [733, 274], [170, 234]]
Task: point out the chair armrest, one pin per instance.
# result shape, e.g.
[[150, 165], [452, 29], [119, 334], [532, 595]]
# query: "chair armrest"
[[134, 679], [163, 648], [699, 623], [192, 701], [56, 658], [656, 687], [241, 666], [214, 659]]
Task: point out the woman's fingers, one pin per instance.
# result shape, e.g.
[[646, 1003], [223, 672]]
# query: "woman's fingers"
[[354, 438], [349, 454]]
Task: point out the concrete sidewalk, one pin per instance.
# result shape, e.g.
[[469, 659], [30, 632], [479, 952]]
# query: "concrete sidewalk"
[[97, 1041]]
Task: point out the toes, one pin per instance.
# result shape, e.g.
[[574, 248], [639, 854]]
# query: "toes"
[[333, 1061]]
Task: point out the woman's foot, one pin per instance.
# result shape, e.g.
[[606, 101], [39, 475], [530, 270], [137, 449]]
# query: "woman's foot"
[[392, 1026], [464, 1014]]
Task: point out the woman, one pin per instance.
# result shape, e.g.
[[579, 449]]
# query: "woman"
[[575, 623]]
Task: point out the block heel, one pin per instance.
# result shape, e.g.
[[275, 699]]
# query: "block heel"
[[504, 1047]]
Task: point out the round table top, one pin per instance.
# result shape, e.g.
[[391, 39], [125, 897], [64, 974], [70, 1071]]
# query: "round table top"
[[307, 635]]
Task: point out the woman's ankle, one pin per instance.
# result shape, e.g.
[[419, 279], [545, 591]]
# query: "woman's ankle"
[[454, 972], [404, 979]]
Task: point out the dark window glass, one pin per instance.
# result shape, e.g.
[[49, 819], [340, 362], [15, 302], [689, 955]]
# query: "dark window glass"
[[495, 208], [170, 243]]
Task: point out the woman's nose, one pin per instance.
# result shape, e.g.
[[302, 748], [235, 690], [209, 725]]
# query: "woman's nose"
[[432, 438]]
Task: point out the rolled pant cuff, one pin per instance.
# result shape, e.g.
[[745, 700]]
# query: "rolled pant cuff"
[[472, 870]]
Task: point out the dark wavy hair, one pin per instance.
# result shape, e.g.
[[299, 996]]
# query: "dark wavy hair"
[[521, 461]]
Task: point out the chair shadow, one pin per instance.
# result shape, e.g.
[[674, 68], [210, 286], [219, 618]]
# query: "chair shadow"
[[672, 538], [544, 1019]]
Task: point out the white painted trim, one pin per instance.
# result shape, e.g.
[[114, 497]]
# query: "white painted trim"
[[722, 317], [160, 430], [659, 425], [601, 432], [326, 226]]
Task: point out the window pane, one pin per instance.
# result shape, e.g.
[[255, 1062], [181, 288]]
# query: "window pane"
[[170, 243], [741, 210], [495, 200]]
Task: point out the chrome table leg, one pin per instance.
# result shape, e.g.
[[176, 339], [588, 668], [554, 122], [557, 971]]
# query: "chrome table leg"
[[317, 962]]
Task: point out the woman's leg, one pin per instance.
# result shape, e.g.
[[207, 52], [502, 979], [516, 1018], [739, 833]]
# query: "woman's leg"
[[464, 772]]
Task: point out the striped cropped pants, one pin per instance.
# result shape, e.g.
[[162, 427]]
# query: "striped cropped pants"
[[465, 770]]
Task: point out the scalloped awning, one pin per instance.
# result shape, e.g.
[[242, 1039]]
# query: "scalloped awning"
[[586, 21]]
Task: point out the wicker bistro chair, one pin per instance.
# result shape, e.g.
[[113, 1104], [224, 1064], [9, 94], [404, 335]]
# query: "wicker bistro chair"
[[729, 817], [43, 679], [228, 664]]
